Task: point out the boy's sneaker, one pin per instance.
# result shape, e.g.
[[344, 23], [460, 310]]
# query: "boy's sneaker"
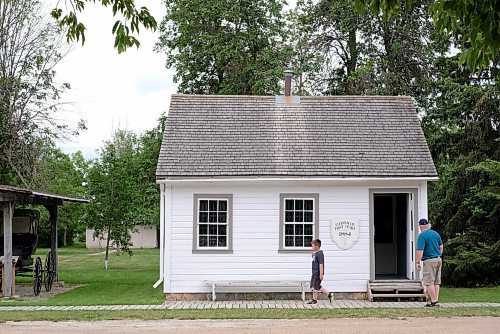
[[330, 297], [313, 301], [433, 304]]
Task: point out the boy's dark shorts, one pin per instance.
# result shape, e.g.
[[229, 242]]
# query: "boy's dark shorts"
[[315, 284]]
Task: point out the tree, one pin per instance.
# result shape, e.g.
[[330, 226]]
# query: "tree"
[[60, 173], [122, 188], [124, 29], [477, 22], [148, 194], [364, 54], [305, 62], [225, 46], [30, 48], [462, 129], [333, 28], [111, 187]]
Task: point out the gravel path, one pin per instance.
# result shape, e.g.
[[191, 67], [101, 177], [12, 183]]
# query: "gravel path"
[[478, 325]]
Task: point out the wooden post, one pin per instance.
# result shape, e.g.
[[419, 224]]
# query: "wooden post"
[[53, 237], [8, 212]]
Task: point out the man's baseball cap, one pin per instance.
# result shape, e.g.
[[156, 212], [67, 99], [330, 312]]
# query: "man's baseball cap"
[[423, 221]]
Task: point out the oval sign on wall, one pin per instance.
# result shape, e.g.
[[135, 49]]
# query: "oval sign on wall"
[[344, 232]]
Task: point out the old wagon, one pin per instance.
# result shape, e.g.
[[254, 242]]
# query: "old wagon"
[[25, 223]]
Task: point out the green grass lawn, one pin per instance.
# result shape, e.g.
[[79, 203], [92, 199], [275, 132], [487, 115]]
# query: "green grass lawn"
[[129, 280], [454, 295], [392, 313]]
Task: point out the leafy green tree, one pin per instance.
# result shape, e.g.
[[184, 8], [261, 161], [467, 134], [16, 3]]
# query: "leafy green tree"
[[63, 174], [30, 48], [225, 46], [333, 28], [305, 62], [476, 22], [366, 55], [124, 29], [111, 189], [462, 129], [148, 194], [122, 187]]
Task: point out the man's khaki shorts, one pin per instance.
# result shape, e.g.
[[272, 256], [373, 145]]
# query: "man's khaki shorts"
[[432, 271]]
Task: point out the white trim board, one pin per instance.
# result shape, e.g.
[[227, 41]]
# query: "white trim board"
[[308, 179]]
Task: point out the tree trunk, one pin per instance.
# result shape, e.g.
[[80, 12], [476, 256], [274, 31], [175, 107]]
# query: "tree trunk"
[[65, 235], [390, 70], [352, 61], [107, 248]]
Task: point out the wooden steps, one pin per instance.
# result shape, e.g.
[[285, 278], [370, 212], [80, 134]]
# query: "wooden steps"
[[396, 289]]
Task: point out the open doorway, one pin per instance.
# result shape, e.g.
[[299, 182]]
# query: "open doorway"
[[393, 235]]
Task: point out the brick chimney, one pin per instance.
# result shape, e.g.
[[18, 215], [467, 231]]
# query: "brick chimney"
[[288, 82], [288, 99]]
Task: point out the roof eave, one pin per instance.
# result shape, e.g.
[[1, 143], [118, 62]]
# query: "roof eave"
[[178, 179]]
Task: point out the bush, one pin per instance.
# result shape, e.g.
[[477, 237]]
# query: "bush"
[[470, 264]]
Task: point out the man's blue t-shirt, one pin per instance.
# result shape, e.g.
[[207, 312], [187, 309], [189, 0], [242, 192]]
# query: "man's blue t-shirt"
[[317, 259], [429, 241]]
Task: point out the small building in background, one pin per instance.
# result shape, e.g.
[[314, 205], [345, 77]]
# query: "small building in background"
[[143, 236]]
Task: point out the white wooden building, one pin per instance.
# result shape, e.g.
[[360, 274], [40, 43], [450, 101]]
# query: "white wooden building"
[[248, 181]]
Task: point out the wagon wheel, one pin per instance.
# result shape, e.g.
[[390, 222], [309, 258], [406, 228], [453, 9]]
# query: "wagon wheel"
[[37, 276], [50, 273]]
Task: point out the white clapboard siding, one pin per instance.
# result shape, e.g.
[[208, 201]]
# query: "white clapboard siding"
[[256, 237]]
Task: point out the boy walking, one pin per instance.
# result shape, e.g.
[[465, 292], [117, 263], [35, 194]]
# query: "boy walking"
[[318, 272]]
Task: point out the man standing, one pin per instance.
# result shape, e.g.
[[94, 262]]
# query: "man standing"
[[429, 251]]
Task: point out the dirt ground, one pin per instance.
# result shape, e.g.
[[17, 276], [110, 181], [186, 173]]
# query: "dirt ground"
[[24, 292], [481, 325]]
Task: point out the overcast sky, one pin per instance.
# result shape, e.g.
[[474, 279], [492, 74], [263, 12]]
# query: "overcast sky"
[[109, 90]]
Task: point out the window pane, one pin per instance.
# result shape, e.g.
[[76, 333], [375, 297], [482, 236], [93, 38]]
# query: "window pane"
[[222, 242], [308, 204], [203, 241], [289, 229], [307, 241], [289, 204], [222, 205], [203, 229], [212, 241], [299, 241], [299, 229], [222, 217], [299, 204], [212, 230], [222, 229], [203, 217], [308, 229], [299, 216], [203, 205], [308, 217], [289, 241], [212, 205], [212, 217], [289, 216]]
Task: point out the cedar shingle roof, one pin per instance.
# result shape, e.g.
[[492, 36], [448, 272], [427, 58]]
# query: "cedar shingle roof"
[[334, 136]]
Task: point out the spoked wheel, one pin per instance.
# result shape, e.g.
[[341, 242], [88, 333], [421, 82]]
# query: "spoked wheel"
[[50, 273], [37, 276]]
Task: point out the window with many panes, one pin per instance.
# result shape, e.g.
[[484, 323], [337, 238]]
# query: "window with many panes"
[[212, 223], [299, 221]]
